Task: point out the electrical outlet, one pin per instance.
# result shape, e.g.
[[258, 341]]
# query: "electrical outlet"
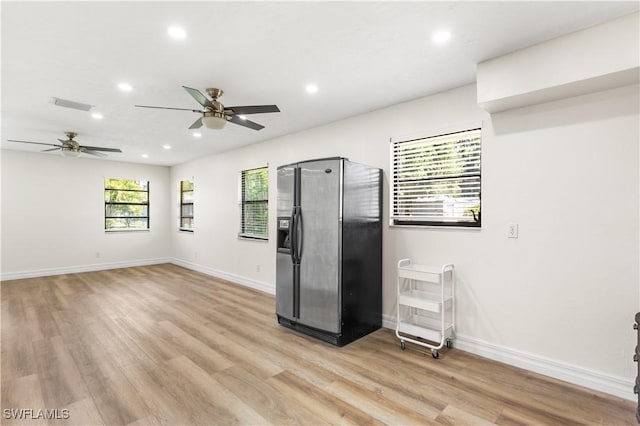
[[97, 255], [195, 255], [512, 230], [257, 268]]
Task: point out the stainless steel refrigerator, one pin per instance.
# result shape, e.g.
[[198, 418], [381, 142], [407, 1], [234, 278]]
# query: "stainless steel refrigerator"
[[329, 249]]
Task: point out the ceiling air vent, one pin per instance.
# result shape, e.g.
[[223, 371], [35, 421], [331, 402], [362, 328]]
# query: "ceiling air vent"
[[71, 104]]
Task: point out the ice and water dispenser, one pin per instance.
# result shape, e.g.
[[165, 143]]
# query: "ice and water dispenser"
[[284, 240]]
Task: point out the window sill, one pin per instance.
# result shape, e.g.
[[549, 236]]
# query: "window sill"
[[115, 231], [250, 238], [439, 227]]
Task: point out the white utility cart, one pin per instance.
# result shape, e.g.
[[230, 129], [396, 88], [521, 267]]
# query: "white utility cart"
[[426, 308]]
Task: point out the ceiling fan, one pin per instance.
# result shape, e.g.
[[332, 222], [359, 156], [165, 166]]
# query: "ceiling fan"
[[215, 115], [71, 148]]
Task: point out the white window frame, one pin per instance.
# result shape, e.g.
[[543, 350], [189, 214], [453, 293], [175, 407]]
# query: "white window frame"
[[181, 204], [107, 203], [437, 221], [242, 202]]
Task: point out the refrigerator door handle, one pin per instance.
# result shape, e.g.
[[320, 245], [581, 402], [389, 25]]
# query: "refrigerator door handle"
[[299, 235], [292, 235]]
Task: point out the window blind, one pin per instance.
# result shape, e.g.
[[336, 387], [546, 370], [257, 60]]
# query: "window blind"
[[254, 219], [436, 180]]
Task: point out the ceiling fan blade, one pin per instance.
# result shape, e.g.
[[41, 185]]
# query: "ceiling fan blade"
[[196, 124], [253, 109], [199, 97], [63, 141], [51, 149], [246, 123], [99, 148], [157, 107], [34, 143], [91, 152]]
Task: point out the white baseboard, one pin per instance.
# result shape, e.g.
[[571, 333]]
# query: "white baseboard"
[[591, 379], [389, 322], [81, 268], [247, 282]]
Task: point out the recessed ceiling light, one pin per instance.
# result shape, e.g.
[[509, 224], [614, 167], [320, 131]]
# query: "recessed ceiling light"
[[311, 88], [97, 116], [242, 117], [197, 134], [145, 155], [166, 146], [177, 33], [125, 87], [441, 37]]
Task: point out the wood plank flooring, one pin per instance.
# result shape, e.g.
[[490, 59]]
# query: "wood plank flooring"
[[165, 345]]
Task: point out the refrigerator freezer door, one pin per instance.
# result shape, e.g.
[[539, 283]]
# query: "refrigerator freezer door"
[[285, 285], [320, 245], [285, 190]]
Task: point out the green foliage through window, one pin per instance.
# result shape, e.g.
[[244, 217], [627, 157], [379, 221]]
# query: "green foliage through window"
[[186, 205], [436, 180], [255, 203], [126, 204]]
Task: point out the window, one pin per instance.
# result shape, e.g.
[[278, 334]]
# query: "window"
[[186, 205], [254, 187], [436, 180], [126, 204]]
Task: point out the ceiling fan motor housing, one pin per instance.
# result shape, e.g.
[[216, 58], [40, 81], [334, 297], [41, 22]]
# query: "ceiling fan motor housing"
[[214, 92]]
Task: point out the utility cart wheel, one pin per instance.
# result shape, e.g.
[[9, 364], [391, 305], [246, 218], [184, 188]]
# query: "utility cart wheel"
[[435, 353], [402, 345], [449, 343]]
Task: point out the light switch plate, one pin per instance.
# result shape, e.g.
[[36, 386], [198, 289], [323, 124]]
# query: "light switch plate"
[[512, 230]]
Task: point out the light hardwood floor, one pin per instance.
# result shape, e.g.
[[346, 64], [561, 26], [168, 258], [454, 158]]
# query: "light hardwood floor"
[[166, 345]]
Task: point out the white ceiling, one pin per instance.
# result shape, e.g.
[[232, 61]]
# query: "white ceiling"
[[362, 55]]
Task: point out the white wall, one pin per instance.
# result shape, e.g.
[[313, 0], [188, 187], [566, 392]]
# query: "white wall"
[[563, 294], [574, 64], [53, 215]]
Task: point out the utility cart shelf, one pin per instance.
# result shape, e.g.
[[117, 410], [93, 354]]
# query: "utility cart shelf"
[[426, 309]]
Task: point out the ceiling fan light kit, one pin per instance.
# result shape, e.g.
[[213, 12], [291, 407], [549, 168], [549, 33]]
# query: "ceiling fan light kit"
[[72, 153], [214, 120]]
